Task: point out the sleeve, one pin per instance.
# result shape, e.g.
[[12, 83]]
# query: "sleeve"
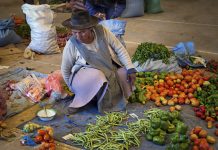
[[91, 9], [68, 60], [119, 49]]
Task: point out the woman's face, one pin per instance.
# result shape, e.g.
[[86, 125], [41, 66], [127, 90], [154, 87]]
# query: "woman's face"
[[85, 35]]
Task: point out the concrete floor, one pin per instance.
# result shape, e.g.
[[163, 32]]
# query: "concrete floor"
[[182, 20]]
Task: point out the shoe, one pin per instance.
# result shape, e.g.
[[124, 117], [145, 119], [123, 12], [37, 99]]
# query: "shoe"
[[71, 110]]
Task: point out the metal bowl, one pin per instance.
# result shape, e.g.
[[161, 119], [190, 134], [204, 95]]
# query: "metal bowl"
[[46, 115]]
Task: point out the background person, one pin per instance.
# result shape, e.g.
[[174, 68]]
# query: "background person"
[[105, 9]]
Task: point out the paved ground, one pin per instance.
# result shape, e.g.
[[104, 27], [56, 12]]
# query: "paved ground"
[[182, 20]]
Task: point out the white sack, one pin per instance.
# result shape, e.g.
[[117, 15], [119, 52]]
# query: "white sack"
[[43, 32]]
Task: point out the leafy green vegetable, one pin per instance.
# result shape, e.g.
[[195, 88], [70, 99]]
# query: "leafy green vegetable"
[[147, 51]]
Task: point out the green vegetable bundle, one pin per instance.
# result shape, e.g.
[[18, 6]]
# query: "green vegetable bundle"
[[147, 51]]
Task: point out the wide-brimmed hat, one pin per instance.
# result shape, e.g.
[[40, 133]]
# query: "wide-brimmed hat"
[[80, 20]]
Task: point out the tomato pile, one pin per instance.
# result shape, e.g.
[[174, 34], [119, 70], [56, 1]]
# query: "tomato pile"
[[177, 88], [45, 138]]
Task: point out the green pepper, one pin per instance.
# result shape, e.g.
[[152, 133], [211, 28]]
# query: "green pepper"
[[142, 97], [175, 122], [164, 125], [155, 123], [183, 146], [181, 128], [149, 137], [154, 132], [174, 115], [162, 133], [160, 140], [174, 138], [165, 116], [171, 128]]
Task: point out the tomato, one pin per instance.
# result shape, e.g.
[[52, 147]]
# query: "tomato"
[[194, 86], [38, 139], [200, 81], [170, 82], [41, 132], [181, 100], [170, 93], [188, 78], [182, 88], [190, 95], [206, 78], [46, 137], [177, 85], [186, 91], [190, 90]]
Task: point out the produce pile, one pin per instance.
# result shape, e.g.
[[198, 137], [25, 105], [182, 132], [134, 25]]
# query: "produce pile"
[[200, 139], [147, 51], [189, 87], [63, 35], [115, 131], [208, 97], [42, 135]]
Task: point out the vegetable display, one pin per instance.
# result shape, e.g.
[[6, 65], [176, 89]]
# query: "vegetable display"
[[208, 97], [142, 79], [147, 51], [42, 135], [111, 132]]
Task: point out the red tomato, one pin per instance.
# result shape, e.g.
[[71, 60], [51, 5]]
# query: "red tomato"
[[46, 137], [190, 90], [38, 139], [182, 88], [41, 132]]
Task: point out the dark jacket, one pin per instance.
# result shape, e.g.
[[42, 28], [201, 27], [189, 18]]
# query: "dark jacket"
[[111, 8]]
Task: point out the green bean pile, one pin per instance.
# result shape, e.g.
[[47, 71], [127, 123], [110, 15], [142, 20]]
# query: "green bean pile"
[[147, 51]]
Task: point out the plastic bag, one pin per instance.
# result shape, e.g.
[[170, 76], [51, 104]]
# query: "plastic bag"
[[7, 33], [31, 87], [117, 27], [54, 82], [158, 66], [184, 52], [184, 48], [55, 86]]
